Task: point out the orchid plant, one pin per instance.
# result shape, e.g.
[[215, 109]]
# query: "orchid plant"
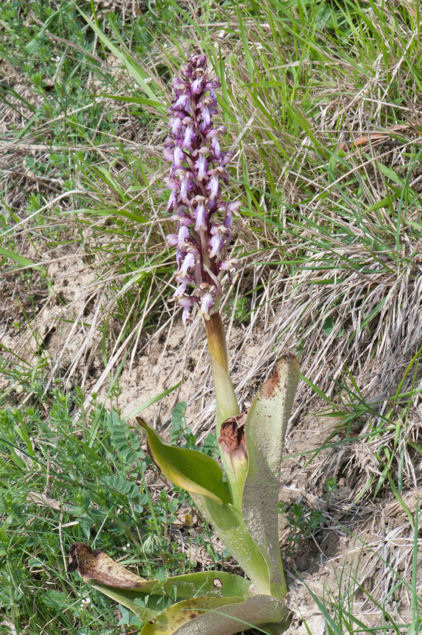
[[239, 501]]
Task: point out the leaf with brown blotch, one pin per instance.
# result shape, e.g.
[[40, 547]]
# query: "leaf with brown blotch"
[[206, 591], [265, 430], [222, 616], [110, 578], [234, 456], [97, 566]]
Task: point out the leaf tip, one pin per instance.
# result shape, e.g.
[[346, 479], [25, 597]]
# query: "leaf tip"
[[287, 364], [97, 566]]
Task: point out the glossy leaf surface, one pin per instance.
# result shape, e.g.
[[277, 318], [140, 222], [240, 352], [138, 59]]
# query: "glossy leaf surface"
[[193, 471], [130, 590], [97, 566]]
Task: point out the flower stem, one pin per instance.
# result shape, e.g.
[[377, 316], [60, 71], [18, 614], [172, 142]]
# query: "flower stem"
[[217, 340], [227, 405]]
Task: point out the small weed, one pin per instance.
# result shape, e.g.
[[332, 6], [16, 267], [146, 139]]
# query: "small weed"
[[304, 522], [239, 308], [330, 485]]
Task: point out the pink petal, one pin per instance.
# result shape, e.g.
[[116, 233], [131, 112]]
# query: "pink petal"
[[207, 301], [200, 214]]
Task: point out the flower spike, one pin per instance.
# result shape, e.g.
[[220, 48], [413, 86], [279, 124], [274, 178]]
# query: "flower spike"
[[198, 170]]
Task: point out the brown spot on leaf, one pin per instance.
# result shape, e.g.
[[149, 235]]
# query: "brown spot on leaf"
[[73, 562], [232, 437], [82, 558], [269, 386]]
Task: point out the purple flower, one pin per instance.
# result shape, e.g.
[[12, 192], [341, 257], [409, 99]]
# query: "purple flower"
[[172, 240], [213, 186], [189, 137], [182, 236], [207, 302], [201, 217], [188, 263], [216, 244], [197, 174], [201, 166], [178, 157]]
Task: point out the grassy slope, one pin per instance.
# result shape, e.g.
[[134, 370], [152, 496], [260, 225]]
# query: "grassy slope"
[[321, 101]]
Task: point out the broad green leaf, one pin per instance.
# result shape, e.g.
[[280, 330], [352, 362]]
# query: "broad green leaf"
[[265, 431], [204, 583], [219, 616], [183, 615], [124, 586], [202, 477], [193, 471], [230, 527], [130, 590], [128, 598]]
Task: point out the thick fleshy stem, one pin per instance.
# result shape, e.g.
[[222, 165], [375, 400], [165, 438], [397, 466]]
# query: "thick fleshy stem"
[[227, 405], [226, 402]]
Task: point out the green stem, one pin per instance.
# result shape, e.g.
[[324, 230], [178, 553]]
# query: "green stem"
[[229, 526], [227, 405]]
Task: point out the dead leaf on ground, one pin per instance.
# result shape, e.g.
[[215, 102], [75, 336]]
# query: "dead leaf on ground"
[[99, 567]]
